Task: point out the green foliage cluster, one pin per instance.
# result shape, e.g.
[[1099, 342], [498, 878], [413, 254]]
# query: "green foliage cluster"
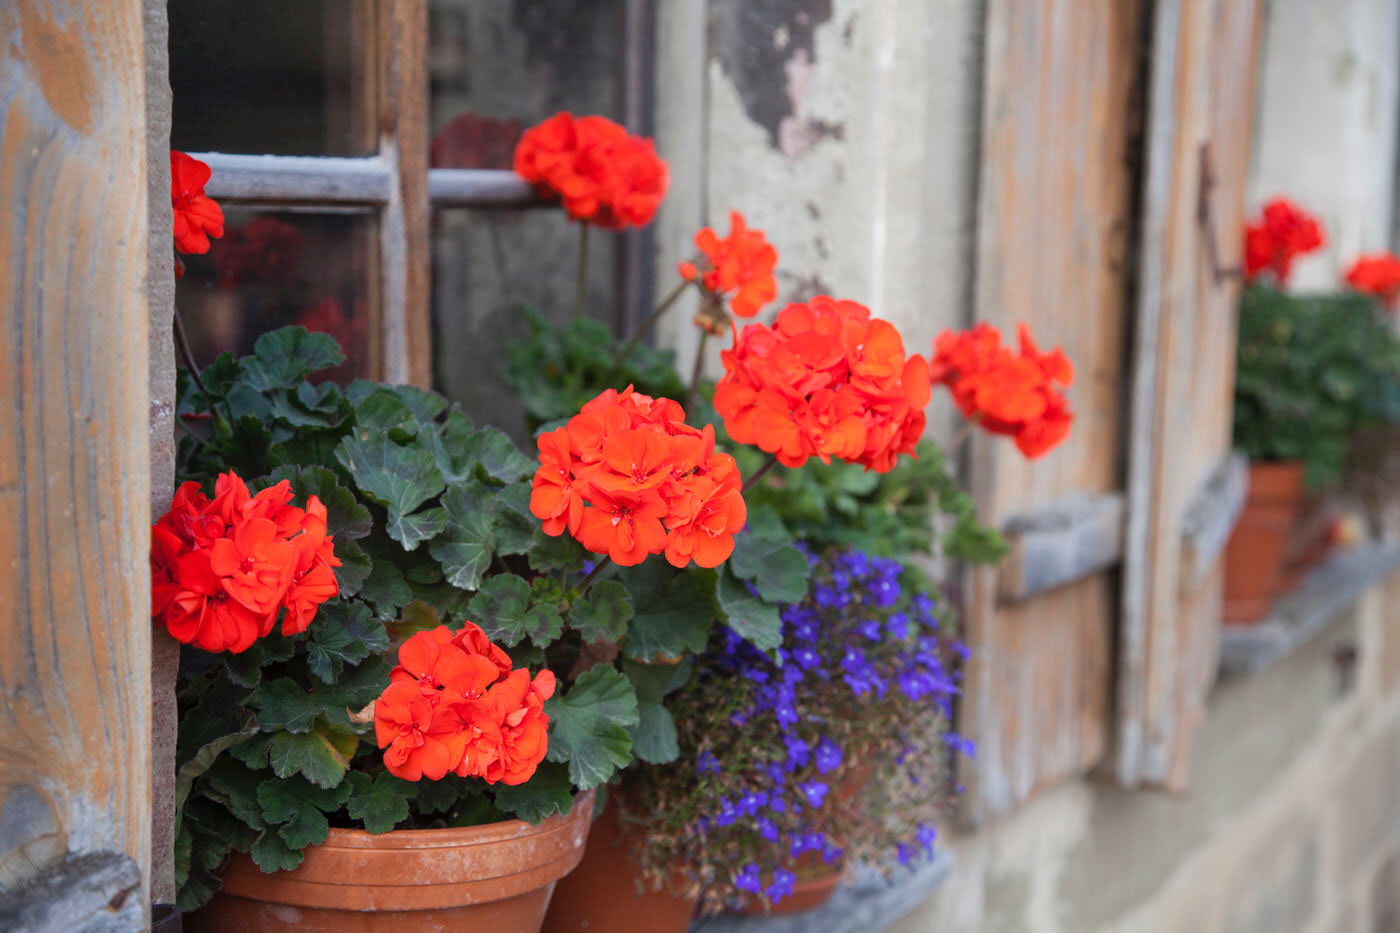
[[1313, 371], [430, 517]]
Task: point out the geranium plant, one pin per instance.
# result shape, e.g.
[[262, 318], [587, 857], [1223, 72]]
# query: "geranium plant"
[[1312, 369], [395, 618]]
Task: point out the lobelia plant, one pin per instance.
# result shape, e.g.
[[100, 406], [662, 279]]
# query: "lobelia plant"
[[838, 749]]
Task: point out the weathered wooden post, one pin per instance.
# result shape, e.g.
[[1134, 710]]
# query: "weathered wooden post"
[[75, 494]]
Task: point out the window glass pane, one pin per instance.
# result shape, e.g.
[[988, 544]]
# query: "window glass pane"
[[496, 68], [274, 268], [288, 78]]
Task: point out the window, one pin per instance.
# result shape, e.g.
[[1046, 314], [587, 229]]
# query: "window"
[[321, 120]]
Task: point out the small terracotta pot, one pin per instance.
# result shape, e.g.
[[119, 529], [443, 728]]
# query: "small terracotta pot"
[[494, 878], [601, 894], [1254, 558]]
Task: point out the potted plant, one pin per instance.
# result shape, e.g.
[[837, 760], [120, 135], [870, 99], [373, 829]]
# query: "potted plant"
[[413, 652], [1311, 371], [814, 716]]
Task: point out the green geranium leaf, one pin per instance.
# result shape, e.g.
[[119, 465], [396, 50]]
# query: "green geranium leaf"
[[654, 735], [548, 792], [342, 632], [498, 456], [765, 555], [671, 613], [382, 411], [381, 803], [424, 405], [749, 616], [438, 796], [310, 754], [253, 752], [355, 568], [450, 446], [603, 612], [500, 608], [478, 527], [283, 357], [219, 712], [204, 758], [346, 517], [387, 589], [285, 704], [588, 726], [301, 806], [398, 478], [271, 853], [549, 552], [237, 788]]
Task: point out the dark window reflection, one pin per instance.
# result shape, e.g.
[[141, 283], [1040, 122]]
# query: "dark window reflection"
[[496, 68], [273, 76], [274, 268]]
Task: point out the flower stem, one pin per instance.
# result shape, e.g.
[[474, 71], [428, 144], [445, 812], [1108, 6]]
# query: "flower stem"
[[580, 303], [695, 369], [961, 437], [757, 475], [183, 343], [650, 321], [593, 574]]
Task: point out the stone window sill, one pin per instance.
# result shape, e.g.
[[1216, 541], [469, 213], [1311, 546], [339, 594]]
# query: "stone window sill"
[[867, 902], [1329, 588]]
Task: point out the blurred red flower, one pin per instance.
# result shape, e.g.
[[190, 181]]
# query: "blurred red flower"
[[1282, 233], [739, 266], [826, 380], [197, 216], [1377, 275], [604, 175]]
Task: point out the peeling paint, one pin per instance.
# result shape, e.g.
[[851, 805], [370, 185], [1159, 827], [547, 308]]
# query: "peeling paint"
[[767, 51]]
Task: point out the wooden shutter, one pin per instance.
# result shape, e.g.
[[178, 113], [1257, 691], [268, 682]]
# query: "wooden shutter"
[[1184, 489], [75, 631], [1053, 218]]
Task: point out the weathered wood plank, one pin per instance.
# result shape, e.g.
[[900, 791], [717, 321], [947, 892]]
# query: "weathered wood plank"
[[405, 316], [99, 892], [298, 179], [1054, 196], [75, 645], [1201, 91], [1210, 518], [1067, 541]]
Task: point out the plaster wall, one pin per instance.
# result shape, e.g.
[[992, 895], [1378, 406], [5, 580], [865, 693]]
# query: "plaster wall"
[[1325, 124]]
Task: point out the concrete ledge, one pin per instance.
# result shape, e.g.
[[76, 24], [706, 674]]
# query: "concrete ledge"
[[867, 903], [1326, 590]]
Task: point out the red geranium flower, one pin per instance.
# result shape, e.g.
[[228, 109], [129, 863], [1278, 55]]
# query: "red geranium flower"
[[627, 477], [826, 380], [603, 174], [454, 704], [1005, 392], [740, 265], [222, 570], [1282, 233], [197, 217], [1377, 275]]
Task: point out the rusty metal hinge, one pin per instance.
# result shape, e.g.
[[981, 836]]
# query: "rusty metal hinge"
[[1204, 196]]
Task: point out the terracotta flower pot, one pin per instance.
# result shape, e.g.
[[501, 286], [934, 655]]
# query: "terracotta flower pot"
[[1254, 558], [816, 882], [601, 894], [492, 878]]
